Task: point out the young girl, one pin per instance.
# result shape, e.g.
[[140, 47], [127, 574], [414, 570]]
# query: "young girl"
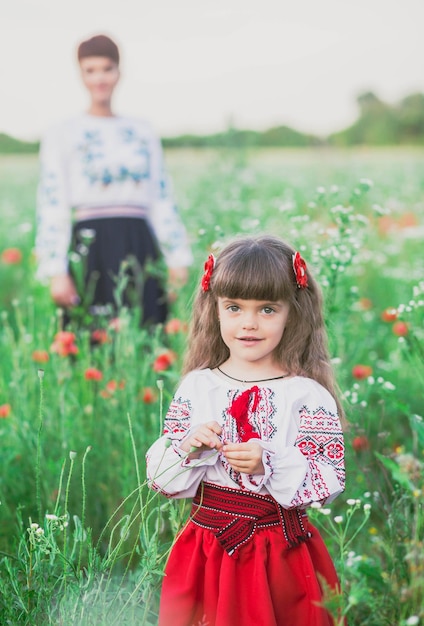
[[253, 435]]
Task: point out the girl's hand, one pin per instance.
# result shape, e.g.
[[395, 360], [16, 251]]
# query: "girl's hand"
[[205, 437], [245, 457]]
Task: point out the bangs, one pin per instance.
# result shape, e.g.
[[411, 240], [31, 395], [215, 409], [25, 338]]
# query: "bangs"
[[256, 274]]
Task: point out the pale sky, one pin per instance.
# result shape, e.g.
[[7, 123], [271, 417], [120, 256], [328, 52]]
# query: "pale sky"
[[194, 65]]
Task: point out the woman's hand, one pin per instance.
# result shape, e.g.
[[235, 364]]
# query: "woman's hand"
[[245, 457], [63, 292], [205, 437]]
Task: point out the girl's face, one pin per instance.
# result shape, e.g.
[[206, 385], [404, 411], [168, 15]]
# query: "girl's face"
[[100, 76], [252, 329]]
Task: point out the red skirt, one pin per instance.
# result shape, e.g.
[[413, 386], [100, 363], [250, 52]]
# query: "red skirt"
[[263, 584]]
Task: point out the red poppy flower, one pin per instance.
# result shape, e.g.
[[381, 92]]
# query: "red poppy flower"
[[112, 386], [99, 336], [365, 304], [40, 356], [206, 278], [174, 326], [361, 371], [64, 343], [149, 395], [389, 315], [164, 361], [11, 256], [299, 267], [400, 329], [5, 410], [360, 443], [92, 373]]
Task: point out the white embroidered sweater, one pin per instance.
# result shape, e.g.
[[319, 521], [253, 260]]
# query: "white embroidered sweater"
[[91, 161], [300, 432]]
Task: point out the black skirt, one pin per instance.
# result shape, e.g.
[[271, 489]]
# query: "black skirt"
[[118, 263]]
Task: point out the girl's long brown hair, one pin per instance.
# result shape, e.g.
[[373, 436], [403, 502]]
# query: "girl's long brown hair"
[[261, 268]]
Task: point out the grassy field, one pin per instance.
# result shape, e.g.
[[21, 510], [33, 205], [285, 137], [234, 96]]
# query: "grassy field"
[[82, 540]]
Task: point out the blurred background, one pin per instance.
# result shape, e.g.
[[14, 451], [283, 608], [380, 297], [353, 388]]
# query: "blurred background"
[[332, 70]]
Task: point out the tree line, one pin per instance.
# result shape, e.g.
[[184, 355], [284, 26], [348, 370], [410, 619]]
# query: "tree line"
[[378, 124]]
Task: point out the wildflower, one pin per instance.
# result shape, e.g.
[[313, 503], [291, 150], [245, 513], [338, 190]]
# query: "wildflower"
[[164, 361], [360, 443], [338, 519], [409, 465], [92, 373], [72, 455], [408, 220], [366, 183], [112, 386], [351, 502], [11, 256], [373, 531], [413, 620], [367, 507], [87, 235], [365, 304], [361, 371], [400, 329], [159, 384], [5, 410], [148, 395], [115, 324], [316, 505], [389, 315], [99, 336], [174, 326], [40, 356], [64, 343]]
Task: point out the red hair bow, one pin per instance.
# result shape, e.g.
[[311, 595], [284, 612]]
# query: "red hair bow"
[[206, 278], [299, 267]]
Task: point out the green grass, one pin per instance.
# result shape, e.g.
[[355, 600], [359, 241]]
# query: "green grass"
[[74, 448]]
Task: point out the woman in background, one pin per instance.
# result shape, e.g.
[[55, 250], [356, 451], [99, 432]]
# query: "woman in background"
[[104, 194]]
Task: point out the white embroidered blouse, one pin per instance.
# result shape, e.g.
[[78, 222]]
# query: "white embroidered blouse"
[[300, 433], [92, 162]]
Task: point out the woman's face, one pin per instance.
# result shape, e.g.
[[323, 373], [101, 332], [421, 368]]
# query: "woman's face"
[[100, 76]]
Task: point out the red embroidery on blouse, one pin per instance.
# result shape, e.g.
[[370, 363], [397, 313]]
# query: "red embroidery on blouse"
[[240, 411]]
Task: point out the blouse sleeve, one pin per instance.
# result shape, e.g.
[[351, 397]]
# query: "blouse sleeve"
[[165, 218], [312, 470], [169, 470], [53, 209]]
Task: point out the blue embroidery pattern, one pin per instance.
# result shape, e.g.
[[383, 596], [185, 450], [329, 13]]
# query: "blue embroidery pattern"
[[91, 149]]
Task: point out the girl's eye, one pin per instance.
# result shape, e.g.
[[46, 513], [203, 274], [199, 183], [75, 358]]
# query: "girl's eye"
[[233, 308], [268, 310]]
